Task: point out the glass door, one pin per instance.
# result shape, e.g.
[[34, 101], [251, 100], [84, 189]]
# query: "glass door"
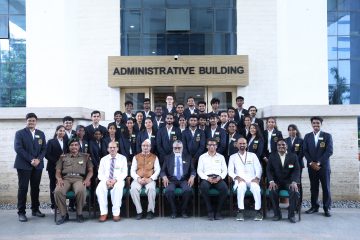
[[136, 95], [227, 96]]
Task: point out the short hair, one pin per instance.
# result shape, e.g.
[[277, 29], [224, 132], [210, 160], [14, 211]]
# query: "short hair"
[[194, 116], [190, 98], [232, 122], [202, 102], [203, 116], [129, 102], [177, 142], [146, 141], [117, 112], [31, 115], [231, 108], [158, 106], [95, 112], [111, 124], [215, 100], [180, 104], [211, 140], [170, 114], [146, 100], [67, 118], [213, 115], [281, 140], [252, 107], [317, 118], [223, 112], [239, 98], [78, 127]]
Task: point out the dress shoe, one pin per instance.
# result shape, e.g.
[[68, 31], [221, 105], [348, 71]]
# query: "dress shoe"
[[116, 218], [327, 213], [22, 217], [276, 218], [218, 216], [80, 218], [292, 219], [62, 220], [184, 215], [38, 214], [138, 216], [72, 209], [173, 216], [312, 210], [149, 215], [103, 218], [211, 216]]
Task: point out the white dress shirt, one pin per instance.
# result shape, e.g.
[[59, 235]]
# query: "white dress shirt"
[[120, 168], [211, 165], [246, 166]]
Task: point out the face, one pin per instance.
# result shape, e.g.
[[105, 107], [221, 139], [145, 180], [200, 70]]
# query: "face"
[[74, 147], [128, 107], [98, 135], [252, 130], [223, 117], [193, 122], [242, 144], [281, 147], [211, 146], [190, 102], [169, 100], [182, 122], [180, 109], [215, 106], [316, 125], [139, 117], [202, 107], [158, 111], [177, 148], [271, 123], [68, 125], [147, 105], [31, 123], [145, 147], [292, 132], [112, 130], [213, 121], [60, 133], [169, 120], [240, 103], [252, 112], [247, 121], [148, 124], [95, 118], [232, 128], [112, 148], [202, 121], [80, 133], [118, 118], [231, 113], [129, 124]]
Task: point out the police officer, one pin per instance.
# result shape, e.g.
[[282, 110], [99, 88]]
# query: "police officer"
[[70, 172]]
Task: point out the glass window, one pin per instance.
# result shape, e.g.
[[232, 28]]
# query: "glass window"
[[177, 44], [153, 3], [4, 50], [348, 5], [355, 23], [130, 21], [225, 20], [154, 45], [332, 23], [4, 6], [332, 48], [343, 47], [201, 44], [153, 21], [332, 66], [225, 100], [225, 3], [137, 99], [17, 25], [177, 4], [17, 7], [201, 3], [130, 44], [224, 43], [17, 50], [130, 4], [343, 23], [344, 72], [4, 26], [201, 20]]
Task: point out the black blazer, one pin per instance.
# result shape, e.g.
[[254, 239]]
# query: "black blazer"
[[240, 119], [276, 135], [142, 136], [73, 134], [257, 147], [161, 123], [28, 148], [187, 113], [125, 117], [89, 132], [127, 141], [169, 167], [283, 175], [84, 146], [151, 115], [323, 150], [96, 152], [220, 136], [164, 144], [53, 152], [296, 148], [260, 123], [194, 146], [231, 144]]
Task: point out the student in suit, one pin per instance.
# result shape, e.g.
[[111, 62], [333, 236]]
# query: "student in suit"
[[202, 122], [129, 106], [318, 147], [55, 147], [256, 141], [128, 141], [231, 140], [80, 134], [193, 140], [182, 123], [118, 121], [191, 109], [178, 171], [170, 108], [271, 136], [139, 123], [159, 120], [240, 111], [111, 137], [217, 133], [283, 172], [165, 138], [215, 104], [30, 148], [148, 133], [202, 107], [245, 131], [224, 120], [90, 129], [68, 124], [147, 110], [252, 112]]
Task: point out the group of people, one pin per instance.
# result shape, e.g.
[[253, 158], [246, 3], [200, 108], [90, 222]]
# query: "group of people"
[[176, 144]]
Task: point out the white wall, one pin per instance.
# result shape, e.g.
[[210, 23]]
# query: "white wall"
[[68, 43]]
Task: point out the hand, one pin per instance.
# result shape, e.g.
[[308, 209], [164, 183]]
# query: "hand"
[[217, 179], [35, 162], [165, 181], [86, 182], [293, 186], [210, 180], [239, 179], [191, 181], [272, 186], [140, 181], [266, 159], [256, 180], [315, 166], [60, 182], [147, 180]]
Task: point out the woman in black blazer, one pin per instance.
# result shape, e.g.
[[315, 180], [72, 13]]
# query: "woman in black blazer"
[[256, 141], [54, 149], [148, 133]]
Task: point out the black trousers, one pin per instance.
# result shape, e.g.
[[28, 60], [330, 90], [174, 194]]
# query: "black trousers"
[[170, 195], [221, 187], [52, 185], [24, 177], [316, 177], [293, 200]]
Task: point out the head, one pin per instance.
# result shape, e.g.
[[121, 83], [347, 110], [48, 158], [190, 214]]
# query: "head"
[[31, 120], [169, 100], [177, 147], [255, 130], [224, 117], [146, 104], [241, 144], [202, 106], [146, 146], [129, 105], [193, 121], [316, 123], [271, 123], [202, 119], [190, 102], [247, 120], [239, 101], [182, 121], [213, 118], [293, 131], [130, 123], [113, 148], [158, 111], [148, 123], [68, 122], [232, 127], [211, 145], [59, 132], [169, 119], [95, 117], [112, 129], [252, 111], [118, 116], [139, 116], [180, 108], [231, 112], [74, 146], [80, 131], [281, 146], [97, 134], [215, 103]]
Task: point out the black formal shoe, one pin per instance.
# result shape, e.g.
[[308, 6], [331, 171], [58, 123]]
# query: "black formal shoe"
[[80, 218], [276, 218], [312, 210], [22, 217], [72, 209], [62, 220], [184, 215], [292, 219], [218, 216], [38, 214], [138, 216], [149, 215], [173, 215], [327, 213], [211, 216]]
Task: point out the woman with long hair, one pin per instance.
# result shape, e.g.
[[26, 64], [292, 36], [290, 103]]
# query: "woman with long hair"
[[256, 141]]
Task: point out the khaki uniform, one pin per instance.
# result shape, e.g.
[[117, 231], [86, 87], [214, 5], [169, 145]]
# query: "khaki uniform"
[[73, 170]]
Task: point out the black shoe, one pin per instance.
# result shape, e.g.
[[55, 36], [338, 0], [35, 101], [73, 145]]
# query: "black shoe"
[[80, 218], [240, 215], [72, 209], [277, 218], [327, 213], [211, 216], [149, 215], [138, 216], [312, 210], [258, 216], [22, 217], [184, 215], [62, 220], [218, 216], [173, 215], [38, 214], [292, 219]]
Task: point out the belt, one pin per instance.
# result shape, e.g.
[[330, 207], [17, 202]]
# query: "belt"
[[73, 174]]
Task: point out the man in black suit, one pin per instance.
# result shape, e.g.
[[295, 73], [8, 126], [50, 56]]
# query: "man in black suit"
[[178, 171], [129, 106], [252, 112], [90, 129], [147, 110], [68, 122], [318, 147], [191, 109], [30, 148], [283, 172], [159, 120], [240, 111]]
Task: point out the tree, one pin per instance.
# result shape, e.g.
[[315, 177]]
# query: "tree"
[[337, 92]]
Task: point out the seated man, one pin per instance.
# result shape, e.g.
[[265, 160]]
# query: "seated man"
[[112, 172], [283, 172], [70, 172], [245, 170], [145, 169], [212, 170], [178, 171]]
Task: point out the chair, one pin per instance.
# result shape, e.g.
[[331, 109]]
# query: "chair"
[[178, 193]]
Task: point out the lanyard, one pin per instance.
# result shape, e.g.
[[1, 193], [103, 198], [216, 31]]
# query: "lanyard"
[[243, 162]]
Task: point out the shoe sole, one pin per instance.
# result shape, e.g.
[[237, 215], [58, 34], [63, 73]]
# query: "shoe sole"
[[240, 219], [258, 219]]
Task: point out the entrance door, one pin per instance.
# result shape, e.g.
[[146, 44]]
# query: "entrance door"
[[180, 94], [227, 96], [136, 95]]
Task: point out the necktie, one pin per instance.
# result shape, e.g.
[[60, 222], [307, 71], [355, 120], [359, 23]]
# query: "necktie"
[[178, 166], [112, 165]]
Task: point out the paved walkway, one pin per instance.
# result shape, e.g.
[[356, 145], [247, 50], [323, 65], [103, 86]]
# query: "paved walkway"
[[342, 225]]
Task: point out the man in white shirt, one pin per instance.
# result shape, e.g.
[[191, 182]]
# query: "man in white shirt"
[[245, 170], [212, 171], [112, 172], [145, 169]]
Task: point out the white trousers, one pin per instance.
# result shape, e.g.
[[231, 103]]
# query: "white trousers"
[[135, 195], [255, 190], [116, 197]]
